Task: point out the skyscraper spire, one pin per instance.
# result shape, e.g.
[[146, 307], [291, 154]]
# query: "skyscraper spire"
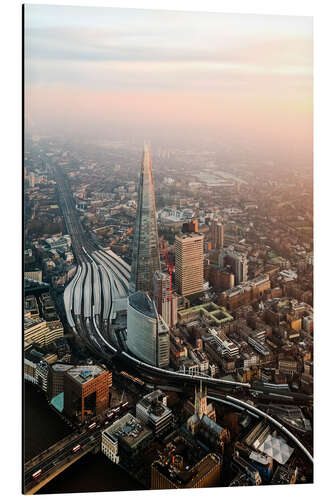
[[146, 255]]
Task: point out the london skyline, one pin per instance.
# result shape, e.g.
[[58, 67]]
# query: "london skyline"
[[144, 281]]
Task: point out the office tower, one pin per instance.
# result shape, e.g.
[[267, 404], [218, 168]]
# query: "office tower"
[[237, 262], [217, 233], [189, 263], [145, 257], [147, 332], [86, 391], [166, 302]]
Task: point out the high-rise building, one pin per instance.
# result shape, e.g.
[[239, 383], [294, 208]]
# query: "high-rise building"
[[166, 302], [189, 263], [146, 256], [147, 333], [237, 262], [86, 391], [217, 233]]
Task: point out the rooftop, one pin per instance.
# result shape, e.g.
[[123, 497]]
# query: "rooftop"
[[183, 469], [29, 322], [58, 402], [130, 430], [277, 448], [213, 427], [33, 355], [214, 312], [185, 236], [83, 374], [61, 367], [153, 403], [142, 303]]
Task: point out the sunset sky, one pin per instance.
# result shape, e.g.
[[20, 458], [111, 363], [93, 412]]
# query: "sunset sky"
[[167, 74]]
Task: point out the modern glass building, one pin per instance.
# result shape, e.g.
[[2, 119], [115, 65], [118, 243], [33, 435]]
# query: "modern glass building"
[[145, 257], [147, 333]]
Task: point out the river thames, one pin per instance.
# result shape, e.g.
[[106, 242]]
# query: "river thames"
[[44, 427]]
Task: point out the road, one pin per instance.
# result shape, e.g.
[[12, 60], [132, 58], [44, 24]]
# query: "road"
[[52, 459], [99, 290], [87, 295]]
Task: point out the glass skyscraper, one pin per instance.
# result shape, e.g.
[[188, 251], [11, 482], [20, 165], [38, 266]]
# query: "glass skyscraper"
[[147, 332], [146, 256]]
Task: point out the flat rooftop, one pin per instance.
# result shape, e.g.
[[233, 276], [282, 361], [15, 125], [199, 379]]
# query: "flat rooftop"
[[30, 322], [213, 311], [186, 236], [128, 429], [186, 473], [83, 374], [61, 367]]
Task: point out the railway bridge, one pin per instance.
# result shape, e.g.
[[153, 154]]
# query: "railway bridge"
[[99, 291], [41, 469]]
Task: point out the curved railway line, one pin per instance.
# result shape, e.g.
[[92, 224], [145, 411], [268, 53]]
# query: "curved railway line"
[[100, 288]]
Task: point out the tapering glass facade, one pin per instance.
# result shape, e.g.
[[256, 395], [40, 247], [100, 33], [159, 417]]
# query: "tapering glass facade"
[[146, 257]]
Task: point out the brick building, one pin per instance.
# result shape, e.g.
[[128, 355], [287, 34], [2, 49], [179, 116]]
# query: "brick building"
[[86, 391]]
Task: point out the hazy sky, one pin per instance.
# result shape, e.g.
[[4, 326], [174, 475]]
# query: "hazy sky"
[[114, 72]]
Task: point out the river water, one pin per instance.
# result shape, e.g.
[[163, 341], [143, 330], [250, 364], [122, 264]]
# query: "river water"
[[44, 427]]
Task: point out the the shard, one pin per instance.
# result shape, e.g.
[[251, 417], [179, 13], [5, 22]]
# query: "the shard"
[[146, 256]]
